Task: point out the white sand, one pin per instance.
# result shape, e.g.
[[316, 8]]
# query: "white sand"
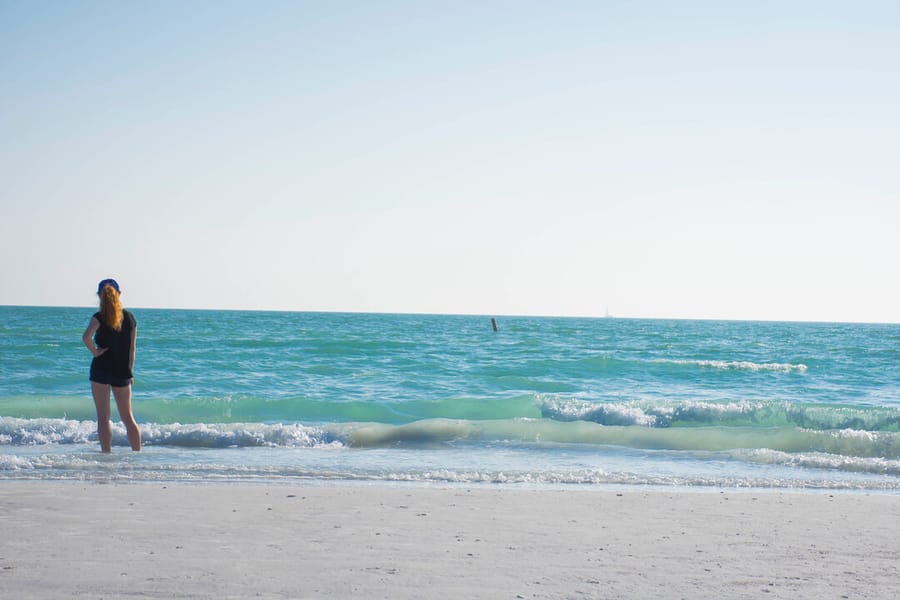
[[63, 540]]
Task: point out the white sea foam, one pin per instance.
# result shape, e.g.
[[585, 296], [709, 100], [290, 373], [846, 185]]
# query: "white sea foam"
[[761, 413], [595, 477], [784, 470], [26, 432], [35, 432], [14, 463], [820, 460], [741, 365], [567, 409], [649, 413], [223, 435]]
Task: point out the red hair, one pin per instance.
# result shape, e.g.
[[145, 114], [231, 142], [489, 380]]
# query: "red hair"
[[111, 308]]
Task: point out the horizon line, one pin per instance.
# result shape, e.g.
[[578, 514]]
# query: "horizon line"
[[604, 316]]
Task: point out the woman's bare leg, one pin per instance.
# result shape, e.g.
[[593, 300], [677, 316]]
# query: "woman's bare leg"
[[101, 401], [123, 403]]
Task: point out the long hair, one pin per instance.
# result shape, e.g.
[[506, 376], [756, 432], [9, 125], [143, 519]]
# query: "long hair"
[[111, 308]]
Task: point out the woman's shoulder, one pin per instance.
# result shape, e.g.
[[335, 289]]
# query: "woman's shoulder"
[[129, 316]]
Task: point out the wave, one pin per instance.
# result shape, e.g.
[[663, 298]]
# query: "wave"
[[738, 365], [57, 467], [818, 460], [656, 413], [847, 442], [441, 432], [33, 432], [692, 413]]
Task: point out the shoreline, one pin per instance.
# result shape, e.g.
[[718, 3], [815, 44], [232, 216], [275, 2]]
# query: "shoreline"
[[314, 540], [471, 486]]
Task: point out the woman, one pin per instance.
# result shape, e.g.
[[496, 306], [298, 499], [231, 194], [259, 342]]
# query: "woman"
[[110, 337]]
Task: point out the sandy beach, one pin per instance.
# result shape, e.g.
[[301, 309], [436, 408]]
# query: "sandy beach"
[[63, 540]]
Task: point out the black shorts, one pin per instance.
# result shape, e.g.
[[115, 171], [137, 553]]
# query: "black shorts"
[[107, 379]]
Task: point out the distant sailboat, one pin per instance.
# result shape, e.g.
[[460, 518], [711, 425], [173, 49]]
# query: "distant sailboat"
[[607, 313]]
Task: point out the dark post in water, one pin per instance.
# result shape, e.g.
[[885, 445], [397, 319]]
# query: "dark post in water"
[[494, 323]]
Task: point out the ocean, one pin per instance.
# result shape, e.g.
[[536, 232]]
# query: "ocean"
[[433, 399]]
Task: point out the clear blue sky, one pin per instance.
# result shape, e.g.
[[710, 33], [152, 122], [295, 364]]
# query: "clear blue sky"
[[656, 159]]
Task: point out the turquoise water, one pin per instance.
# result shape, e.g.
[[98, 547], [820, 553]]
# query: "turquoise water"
[[230, 395]]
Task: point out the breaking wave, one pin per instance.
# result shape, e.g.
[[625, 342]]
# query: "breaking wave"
[[745, 413], [740, 365]]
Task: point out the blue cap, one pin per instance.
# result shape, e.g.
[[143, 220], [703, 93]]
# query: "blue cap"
[[107, 282]]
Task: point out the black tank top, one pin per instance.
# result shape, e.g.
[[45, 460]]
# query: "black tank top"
[[117, 358]]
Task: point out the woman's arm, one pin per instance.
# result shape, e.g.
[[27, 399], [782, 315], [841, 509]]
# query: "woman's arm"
[[88, 337], [133, 346]]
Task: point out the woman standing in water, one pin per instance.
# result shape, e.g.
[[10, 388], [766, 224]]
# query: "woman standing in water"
[[110, 337]]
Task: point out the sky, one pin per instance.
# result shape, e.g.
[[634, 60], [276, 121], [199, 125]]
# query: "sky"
[[690, 159]]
